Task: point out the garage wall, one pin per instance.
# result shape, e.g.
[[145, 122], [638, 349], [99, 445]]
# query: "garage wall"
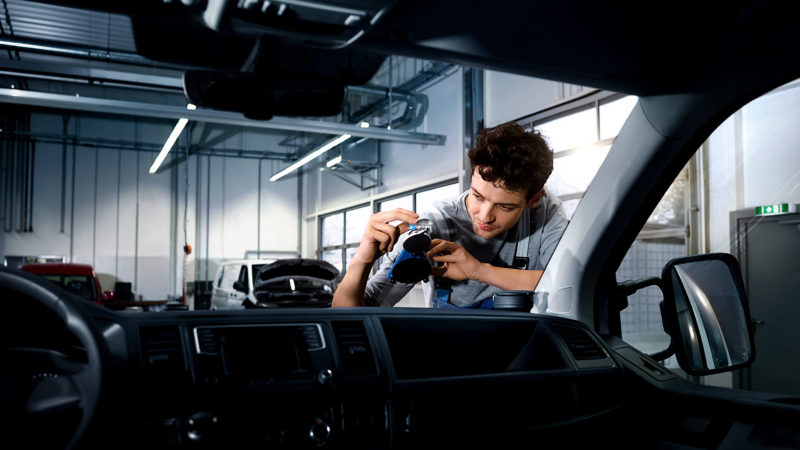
[[128, 223], [509, 97], [403, 164]]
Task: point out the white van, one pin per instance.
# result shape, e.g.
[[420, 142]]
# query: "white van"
[[225, 295]]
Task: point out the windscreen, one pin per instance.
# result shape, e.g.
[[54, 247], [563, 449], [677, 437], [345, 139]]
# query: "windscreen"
[[80, 285]]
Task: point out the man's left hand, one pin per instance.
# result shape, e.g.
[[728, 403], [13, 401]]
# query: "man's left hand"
[[458, 263]]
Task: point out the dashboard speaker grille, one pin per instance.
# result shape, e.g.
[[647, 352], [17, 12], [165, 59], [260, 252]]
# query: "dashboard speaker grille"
[[354, 348], [579, 343], [162, 354]]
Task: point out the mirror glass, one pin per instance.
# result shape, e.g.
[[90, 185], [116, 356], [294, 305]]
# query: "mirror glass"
[[711, 315]]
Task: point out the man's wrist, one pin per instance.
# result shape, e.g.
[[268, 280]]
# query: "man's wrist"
[[357, 263], [484, 273]]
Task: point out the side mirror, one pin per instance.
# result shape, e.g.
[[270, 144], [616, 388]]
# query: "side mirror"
[[239, 286], [108, 295], [706, 313]]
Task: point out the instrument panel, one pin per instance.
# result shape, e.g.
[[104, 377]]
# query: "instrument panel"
[[368, 378]]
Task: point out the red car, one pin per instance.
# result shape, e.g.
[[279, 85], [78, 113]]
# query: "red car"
[[78, 279]]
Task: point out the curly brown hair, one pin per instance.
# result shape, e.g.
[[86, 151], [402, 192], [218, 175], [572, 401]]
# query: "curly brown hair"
[[511, 158]]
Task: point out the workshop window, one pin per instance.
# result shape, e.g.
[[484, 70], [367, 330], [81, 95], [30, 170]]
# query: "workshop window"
[[421, 200], [581, 134], [341, 234]]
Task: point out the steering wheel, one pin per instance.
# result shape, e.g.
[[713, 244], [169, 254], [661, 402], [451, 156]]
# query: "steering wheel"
[[61, 383]]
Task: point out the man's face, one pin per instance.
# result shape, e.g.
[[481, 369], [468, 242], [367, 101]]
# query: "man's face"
[[493, 209]]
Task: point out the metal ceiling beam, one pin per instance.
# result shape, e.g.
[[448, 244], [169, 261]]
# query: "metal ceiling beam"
[[118, 107], [85, 53], [101, 75]]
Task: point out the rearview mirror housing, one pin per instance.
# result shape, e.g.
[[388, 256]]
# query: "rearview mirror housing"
[[706, 313], [259, 97]]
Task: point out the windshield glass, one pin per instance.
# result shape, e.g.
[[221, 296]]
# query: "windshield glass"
[[182, 200], [80, 285]]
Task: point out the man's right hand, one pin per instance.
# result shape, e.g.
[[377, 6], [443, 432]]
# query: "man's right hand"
[[379, 237]]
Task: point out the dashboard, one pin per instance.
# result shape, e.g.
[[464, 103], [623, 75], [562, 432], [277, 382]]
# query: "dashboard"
[[357, 378]]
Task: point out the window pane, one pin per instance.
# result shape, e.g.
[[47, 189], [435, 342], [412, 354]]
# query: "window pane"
[[426, 199], [349, 253], [661, 239], [670, 211], [356, 222], [613, 116], [403, 202], [573, 173], [333, 230], [572, 131], [334, 257], [570, 206]]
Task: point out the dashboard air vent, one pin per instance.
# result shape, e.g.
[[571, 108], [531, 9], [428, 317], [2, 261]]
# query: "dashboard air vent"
[[162, 354], [206, 341], [354, 349], [580, 344]]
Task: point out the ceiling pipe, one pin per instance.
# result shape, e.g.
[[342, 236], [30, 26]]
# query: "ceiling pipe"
[[411, 117]]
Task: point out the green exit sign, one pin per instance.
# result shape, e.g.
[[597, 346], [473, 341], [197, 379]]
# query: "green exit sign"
[[778, 208]]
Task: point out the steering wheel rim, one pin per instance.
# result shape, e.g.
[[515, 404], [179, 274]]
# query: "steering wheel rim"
[[89, 380]]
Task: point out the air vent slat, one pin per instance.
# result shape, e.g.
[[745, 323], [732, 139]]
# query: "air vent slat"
[[354, 349], [580, 345], [162, 353]]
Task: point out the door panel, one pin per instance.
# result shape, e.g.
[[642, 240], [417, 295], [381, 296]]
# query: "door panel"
[[773, 290]]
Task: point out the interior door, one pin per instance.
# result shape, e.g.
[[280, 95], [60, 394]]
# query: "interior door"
[[773, 290]]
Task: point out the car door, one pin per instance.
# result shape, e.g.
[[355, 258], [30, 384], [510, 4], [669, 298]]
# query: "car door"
[[224, 295], [235, 299], [628, 217]]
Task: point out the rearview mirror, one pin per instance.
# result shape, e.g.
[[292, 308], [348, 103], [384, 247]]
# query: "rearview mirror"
[[258, 97], [706, 313]]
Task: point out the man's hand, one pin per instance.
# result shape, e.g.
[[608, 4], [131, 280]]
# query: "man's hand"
[[458, 263], [379, 237]]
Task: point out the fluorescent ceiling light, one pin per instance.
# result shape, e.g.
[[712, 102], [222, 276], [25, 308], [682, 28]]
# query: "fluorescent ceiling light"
[[329, 145], [364, 124], [191, 107], [168, 145], [334, 161]]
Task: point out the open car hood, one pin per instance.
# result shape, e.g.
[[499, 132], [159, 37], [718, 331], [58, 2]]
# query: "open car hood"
[[296, 283], [322, 271]]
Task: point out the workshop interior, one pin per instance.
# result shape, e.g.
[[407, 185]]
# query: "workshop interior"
[[184, 184]]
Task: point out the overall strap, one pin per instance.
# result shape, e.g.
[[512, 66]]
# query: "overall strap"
[[521, 260]]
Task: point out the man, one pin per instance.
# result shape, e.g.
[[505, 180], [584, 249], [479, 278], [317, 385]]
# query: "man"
[[509, 170]]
